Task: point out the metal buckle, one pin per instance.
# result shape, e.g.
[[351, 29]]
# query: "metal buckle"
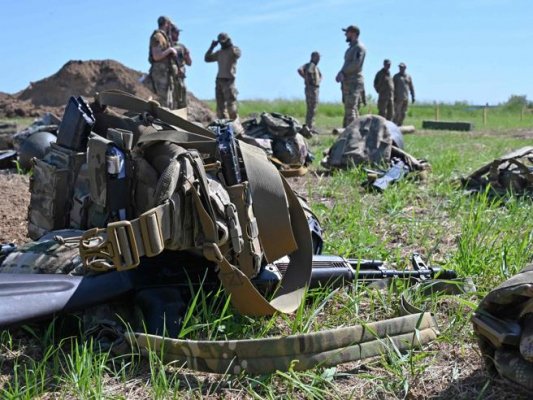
[[149, 224], [118, 250]]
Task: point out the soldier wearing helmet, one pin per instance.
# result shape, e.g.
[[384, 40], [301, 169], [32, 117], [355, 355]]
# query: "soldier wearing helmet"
[[351, 75], [160, 56], [312, 77], [225, 90]]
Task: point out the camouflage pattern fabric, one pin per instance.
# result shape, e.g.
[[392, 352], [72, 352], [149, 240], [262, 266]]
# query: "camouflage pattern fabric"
[[280, 136], [385, 87], [353, 83], [312, 79], [511, 173], [403, 85], [504, 325], [301, 352], [161, 72], [226, 98], [366, 140], [225, 89], [180, 89]]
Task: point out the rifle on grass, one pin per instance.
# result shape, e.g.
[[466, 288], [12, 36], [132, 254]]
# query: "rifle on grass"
[[161, 286]]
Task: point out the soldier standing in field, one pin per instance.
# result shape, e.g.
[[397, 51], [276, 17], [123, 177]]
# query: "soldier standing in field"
[[312, 77], [225, 90], [384, 85], [183, 58], [403, 85], [351, 75], [160, 56]]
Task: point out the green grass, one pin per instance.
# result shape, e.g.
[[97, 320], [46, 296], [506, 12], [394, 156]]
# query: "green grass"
[[480, 237], [329, 115]]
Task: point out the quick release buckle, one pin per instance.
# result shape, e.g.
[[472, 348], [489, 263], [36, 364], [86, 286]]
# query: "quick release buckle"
[[113, 247], [151, 233]]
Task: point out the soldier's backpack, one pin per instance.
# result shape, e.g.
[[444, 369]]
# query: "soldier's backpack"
[[370, 140], [503, 323], [511, 173], [282, 138]]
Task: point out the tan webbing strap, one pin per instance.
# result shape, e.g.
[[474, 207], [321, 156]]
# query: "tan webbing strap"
[[120, 99], [244, 296], [187, 140], [289, 170], [269, 203], [324, 348]]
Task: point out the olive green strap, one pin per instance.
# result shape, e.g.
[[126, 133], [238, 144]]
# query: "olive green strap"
[[300, 352], [126, 101]]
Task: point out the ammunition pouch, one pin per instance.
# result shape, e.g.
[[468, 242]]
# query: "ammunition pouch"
[[51, 187]]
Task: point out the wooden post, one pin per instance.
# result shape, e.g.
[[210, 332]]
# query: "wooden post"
[[485, 110], [437, 111], [522, 113]]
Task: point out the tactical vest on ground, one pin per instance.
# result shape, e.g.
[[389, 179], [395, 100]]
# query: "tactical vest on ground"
[[282, 138], [369, 140], [503, 323], [511, 173], [151, 182]]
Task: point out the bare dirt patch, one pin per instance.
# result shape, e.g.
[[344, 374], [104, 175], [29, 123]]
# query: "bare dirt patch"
[[14, 201], [85, 78]]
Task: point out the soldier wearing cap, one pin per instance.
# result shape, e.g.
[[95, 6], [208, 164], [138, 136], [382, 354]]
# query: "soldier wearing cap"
[[403, 85], [312, 77], [182, 59], [351, 75], [225, 90], [160, 56], [384, 85]]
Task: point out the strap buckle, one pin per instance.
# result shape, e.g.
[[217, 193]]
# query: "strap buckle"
[[151, 233], [116, 249]]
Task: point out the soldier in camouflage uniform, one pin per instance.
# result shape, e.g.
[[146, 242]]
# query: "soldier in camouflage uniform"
[[351, 75], [385, 87], [403, 85], [160, 56], [225, 90], [182, 59], [312, 78]]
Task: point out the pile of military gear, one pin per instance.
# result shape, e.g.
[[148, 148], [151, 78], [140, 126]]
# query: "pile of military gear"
[[139, 207], [282, 138], [511, 173], [503, 323], [28, 143], [373, 141]]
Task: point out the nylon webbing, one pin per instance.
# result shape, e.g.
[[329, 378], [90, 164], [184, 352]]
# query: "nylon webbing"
[[323, 348], [126, 101]]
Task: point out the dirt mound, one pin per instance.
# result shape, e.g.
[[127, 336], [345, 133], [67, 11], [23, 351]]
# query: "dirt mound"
[[85, 78]]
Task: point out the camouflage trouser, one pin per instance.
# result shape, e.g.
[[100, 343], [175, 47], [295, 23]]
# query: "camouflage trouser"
[[180, 92], [351, 97], [163, 84], [311, 98], [226, 97], [386, 106], [400, 109]]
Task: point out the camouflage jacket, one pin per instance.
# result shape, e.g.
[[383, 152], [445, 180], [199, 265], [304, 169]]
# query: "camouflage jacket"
[[353, 61], [226, 59], [403, 85], [311, 73], [383, 82]]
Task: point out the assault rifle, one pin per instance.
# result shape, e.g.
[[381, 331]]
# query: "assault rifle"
[[161, 286]]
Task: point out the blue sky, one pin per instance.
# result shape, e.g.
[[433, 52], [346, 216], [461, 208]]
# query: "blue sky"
[[470, 50]]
